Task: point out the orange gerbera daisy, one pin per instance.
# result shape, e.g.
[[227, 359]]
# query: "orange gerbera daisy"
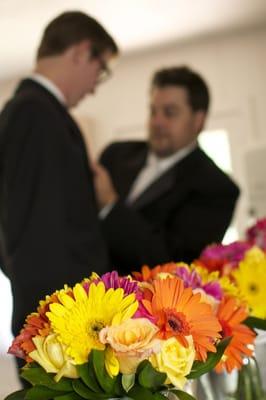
[[181, 313], [36, 324], [230, 316], [22, 345], [148, 273]]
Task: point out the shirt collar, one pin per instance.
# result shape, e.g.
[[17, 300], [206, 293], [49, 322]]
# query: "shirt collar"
[[50, 86], [162, 164]]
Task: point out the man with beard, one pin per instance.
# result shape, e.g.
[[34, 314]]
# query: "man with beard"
[[165, 199]]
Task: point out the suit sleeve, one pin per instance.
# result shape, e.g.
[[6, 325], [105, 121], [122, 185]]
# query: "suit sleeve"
[[132, 241], [187, 231]]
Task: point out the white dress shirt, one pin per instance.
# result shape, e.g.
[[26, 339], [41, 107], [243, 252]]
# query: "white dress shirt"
[[153, 169]]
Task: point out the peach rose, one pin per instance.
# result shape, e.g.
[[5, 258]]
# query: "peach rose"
[[132, 341]]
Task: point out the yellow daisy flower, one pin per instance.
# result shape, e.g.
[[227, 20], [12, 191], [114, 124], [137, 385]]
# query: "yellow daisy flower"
[[51, 298], [227, 285], [205, 275], [78, 320], [250, 278], [230, 288]]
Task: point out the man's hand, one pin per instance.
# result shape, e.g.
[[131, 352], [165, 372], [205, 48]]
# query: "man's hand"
[[104, 189]]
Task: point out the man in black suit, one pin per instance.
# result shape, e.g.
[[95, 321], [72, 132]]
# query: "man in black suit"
[[50, 230], [166, 199]]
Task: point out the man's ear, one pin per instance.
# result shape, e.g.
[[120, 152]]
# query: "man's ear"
[[200, 117], [81, 50]]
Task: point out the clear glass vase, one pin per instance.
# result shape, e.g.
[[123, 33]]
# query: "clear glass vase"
[[249, 384], [245, 384]]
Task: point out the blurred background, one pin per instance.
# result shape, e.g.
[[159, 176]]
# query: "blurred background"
[[224, 40]]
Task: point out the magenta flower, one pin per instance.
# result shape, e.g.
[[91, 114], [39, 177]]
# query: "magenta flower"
[[114, 281], [190, 278], [214, 289], [224, 258], [256, 234], [142, 312]]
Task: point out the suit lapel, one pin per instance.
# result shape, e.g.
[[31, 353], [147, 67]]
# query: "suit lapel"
[[130, 172], [175, 176]]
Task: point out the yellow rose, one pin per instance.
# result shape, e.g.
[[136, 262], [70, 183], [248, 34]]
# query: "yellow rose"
[[132, 341], [175, 360], [51, 355]]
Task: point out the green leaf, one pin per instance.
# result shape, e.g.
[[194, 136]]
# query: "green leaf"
[[140, 393], [118, 388], [39, 392], [159, 396], [258, 323], [38, 376], [150, 378], [86, 393], [183, 395], [87, 374], [202, 367], [106, 382], [141, 366], [69, 396], [124, 398], [18, 395], [128, 381]]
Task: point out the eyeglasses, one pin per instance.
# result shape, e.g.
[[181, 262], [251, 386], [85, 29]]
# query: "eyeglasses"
[[105, 71]]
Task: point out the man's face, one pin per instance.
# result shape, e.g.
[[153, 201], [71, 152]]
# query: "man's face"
[[172, 122], [88, 72]]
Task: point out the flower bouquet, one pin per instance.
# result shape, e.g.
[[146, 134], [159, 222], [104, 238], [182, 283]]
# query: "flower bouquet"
[[138, 338]]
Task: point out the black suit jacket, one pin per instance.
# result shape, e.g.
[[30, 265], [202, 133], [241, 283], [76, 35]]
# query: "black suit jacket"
[[186, 208], [48, 212]]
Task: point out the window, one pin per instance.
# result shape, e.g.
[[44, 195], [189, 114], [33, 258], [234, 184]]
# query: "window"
[[215, 143]]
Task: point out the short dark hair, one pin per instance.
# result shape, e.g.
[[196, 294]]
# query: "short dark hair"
[[197, 89], [70, 28]]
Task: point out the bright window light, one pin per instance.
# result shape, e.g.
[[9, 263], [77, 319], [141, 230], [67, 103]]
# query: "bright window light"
[[215, 143]]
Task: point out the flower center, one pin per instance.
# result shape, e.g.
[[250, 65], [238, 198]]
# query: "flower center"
[[94, 328], [253, 288], [177, 322], [227, 330]]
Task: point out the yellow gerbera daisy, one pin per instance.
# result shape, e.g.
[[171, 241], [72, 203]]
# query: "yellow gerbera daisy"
[[227, 285], [205, 275], [78, 320], [250, 277], [52, 298], [230, 288]]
